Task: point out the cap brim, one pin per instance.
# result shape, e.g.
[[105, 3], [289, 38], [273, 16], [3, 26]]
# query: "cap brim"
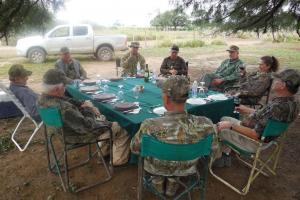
[[134, 46], [174, 51], [230, 50]]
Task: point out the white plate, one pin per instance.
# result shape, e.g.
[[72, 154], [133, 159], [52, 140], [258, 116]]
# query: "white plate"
[[196, 101], [159, 110], [218, 97]]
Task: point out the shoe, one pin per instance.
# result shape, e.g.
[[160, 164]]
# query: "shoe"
[[227, 160], [171, 187], [157, 183]]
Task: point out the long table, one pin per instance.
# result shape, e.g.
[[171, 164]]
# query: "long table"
[[147, 100]]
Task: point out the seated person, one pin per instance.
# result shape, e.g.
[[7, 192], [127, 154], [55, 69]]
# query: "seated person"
[[177, 127], [18, 77], [284, 108], [227, 74], [82, 120], [131, 60], [71, 67], [251, 88], [173, 64]]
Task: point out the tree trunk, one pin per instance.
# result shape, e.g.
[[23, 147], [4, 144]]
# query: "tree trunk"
[[6, 39]]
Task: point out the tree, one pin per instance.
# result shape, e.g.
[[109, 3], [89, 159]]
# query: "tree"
[[19, 15], [171, 19], [254, 15]]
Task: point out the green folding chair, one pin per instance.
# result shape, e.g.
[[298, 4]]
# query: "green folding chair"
[[151, 147], [259, 164], [52, 118]]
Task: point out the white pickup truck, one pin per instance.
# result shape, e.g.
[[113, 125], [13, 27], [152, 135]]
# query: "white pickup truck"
[[79, 38]]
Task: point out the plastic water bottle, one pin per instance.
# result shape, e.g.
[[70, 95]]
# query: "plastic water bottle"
[[194, 89], [138, 69]]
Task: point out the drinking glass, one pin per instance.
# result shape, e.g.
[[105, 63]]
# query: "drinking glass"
[[236, 102]]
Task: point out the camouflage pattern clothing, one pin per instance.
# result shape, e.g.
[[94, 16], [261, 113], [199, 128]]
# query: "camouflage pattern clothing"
[[175, 128], [229, 71], [79, 124], [253, 87], [284, 109], [178, 64], [73, 69], [129, 63]]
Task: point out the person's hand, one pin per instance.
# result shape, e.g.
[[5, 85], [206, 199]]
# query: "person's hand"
[[87, 104], [224, 125], [173, 71], [96, 111], [217, 81], [243, 72], [244, 109]]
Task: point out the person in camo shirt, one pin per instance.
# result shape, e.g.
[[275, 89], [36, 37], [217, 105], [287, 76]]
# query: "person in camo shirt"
[[177, 127], [284, 107], [130, 60], [71, 67], [82, 121], [227, 74]]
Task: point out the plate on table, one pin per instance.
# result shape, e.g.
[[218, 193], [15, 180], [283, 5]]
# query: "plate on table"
[[115, 79], [218, 97], [125, 106], [104, 97], [159, 110], [196, 101], [89, 88], [89, 82]]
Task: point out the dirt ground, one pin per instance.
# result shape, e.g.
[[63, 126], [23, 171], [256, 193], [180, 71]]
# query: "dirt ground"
[[24, 175]]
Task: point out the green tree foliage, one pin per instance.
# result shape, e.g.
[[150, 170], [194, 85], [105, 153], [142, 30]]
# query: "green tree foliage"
[[20, 15], [171, 19], [247, 15]]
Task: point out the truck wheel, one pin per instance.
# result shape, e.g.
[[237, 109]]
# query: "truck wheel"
[[37, 55], [104, 53]]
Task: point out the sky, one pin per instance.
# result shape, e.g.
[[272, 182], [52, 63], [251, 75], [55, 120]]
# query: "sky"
[[107, 12]]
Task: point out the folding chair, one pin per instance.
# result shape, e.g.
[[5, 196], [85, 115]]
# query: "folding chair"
[[52, 118], [151, 147], [37, 125], [266, 166]]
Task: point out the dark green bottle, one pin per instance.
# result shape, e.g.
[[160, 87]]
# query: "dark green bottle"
[[147, 74]]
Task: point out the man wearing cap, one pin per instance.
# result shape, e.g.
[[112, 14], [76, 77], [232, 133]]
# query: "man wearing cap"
[[18, 77], [227, 74], [132, 60], [71, 67], [177, 127], [82, 121], [284, 107], [173, 64]]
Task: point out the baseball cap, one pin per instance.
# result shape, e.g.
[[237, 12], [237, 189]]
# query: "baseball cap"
[[174, 48], [134, 45], [18, 70], [177, 88], [233, 48], [291, 77], [55, 76], [64, 50]]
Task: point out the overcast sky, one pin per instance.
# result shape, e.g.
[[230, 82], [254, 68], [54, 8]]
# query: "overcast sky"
[[107, 12]]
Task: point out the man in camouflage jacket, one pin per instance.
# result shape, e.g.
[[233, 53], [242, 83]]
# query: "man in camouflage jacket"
[[227, 74], [130, 60], [82, 122], [177, 127]]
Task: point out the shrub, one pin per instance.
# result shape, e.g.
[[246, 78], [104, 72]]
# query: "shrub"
[[192, 43], [166, 43], [218, 42]]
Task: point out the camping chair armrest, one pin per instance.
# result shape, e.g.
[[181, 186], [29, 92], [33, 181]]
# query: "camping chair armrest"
[[250, 139]]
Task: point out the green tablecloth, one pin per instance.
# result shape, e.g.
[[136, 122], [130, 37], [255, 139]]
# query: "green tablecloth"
[[149, 98]]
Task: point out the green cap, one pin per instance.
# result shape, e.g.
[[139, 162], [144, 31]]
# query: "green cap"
[[134, 45], [64, 50], [18, 70], [174, 48], [291, 77], [55, 76], [233, 48], [177, 88]]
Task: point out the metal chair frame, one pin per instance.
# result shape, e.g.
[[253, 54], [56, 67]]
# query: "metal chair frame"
[[56, 167], [258, 165], [37, 125]]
